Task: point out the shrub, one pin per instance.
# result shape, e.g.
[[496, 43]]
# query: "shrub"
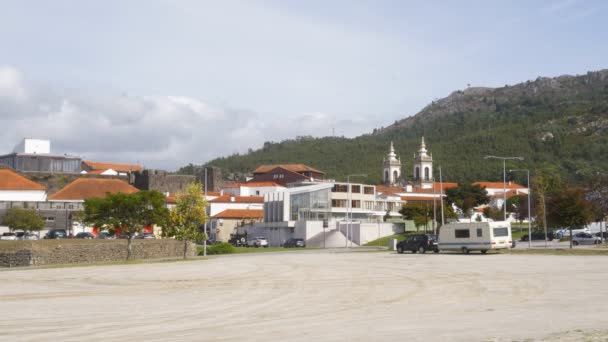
[[220, 248]]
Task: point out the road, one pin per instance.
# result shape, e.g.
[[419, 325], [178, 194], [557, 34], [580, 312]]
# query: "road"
[[313, 296]]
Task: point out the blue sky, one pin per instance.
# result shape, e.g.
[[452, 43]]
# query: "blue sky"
[[167, 82]]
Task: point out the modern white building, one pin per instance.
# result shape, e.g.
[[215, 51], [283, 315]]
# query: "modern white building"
[[252, 188]]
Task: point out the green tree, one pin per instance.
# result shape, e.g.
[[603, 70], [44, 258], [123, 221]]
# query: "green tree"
[[418, 212], [467, 196], [23, 219], [570, 209], [128, 213], [598, 195], [545, 182], [188, 216]]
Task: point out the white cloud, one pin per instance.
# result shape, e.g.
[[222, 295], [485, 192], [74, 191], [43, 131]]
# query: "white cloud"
[[156, 131]]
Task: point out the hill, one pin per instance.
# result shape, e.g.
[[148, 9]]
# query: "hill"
[[559, 122]]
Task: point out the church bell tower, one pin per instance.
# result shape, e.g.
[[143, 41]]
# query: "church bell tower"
[[392, 167], [423, 167]]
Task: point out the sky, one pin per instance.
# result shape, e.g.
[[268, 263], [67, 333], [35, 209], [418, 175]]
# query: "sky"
[[164, 83]]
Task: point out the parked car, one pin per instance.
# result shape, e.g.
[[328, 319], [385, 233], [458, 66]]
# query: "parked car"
[[84, 235], [562, 233], [259, 241], [8, 236], [106, 235], [539, 235], [294, 243], [20, 235], [147, 236], [56, 234], [585, 239], [31, 236], [418, 243], [602, 234]]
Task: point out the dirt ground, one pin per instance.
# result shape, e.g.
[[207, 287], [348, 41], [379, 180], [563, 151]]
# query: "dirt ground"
[[313, 296]]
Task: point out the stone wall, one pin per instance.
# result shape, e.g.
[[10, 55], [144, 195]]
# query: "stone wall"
[[161, 181], [60, 252]]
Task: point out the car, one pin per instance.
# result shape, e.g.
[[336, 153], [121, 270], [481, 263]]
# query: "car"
[[259, 241], [294, 243], [56, 234], [418, 243], [602, 234], [147, 236], [583, 238], [20, 235], [84, 235], [106, 235], [562, 233], [31, 236], [8, 236], [539, 235]]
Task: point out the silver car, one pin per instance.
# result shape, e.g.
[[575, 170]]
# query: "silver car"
[[585, 239]]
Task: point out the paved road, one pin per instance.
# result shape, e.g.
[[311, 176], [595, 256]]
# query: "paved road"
[[313, 296]]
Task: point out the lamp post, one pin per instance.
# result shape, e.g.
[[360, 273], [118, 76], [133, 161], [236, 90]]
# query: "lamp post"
[[349, 208], [441, 195], [434, 209], [529, 213], [504, 177], [206, 218]]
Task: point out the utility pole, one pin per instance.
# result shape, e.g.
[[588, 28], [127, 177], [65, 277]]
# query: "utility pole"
[[504, 178]]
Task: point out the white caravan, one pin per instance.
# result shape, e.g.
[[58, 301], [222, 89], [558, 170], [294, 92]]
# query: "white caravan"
[[475, 236]]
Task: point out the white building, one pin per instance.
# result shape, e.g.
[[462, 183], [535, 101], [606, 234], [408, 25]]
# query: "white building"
[[33, 146], [228, 201], [392, 167], [252, 188], [17, 188]]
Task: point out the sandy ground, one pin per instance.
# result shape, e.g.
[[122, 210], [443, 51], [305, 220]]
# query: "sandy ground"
[[313, 296]]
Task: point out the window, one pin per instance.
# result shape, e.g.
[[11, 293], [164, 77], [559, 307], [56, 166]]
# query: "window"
[[501, 232], [368, 190], [479, 232], [462, 233], [257, 192], [356, 204], [395, 176], [340, 188], [426, 173], [356, 189], [338, 203], [417, 173], [386, 176]]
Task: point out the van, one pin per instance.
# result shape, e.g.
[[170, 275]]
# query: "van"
[[475, 236]]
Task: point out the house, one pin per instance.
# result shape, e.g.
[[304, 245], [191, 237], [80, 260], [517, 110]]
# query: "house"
[[226, 223], [284, 174], [227, 201], [108, 169], [85, 188], [15, 187], [251, 188]]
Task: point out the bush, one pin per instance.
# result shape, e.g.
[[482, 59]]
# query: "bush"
[[220, 248]]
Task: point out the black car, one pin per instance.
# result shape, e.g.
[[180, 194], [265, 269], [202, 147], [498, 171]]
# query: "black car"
[[419, 243], [539, 235], [294, 243], [84, 235], [56, 234]]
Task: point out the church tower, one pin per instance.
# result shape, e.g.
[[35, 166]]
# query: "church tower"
[[392, 167], [423, 167]]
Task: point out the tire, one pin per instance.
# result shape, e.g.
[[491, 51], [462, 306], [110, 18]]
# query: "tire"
[[413, 251], [484, 251], [399, 249], [465, 250], [421, 250], [575, 243], [436, 250]]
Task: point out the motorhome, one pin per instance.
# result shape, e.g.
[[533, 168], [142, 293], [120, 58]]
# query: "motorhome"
[[475, 236]]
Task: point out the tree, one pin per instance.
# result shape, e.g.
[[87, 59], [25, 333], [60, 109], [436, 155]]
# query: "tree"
[[23, 219], [188, 216], [598, 195], [569, 209], [418, 212], [467, 196], [544, 183], [127, 213]]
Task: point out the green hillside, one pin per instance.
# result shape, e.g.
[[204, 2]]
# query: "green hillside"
[[552, 122]]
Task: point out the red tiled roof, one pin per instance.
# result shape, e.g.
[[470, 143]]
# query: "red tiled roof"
[[11, 180], [114, 166], [252, 184], [240, 214], [289, 167], [418, 198], [213, 193], [83, 188], [499, 185], [437, 187], [237, 199], [510, 193]]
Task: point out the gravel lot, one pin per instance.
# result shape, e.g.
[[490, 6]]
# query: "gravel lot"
[[314, 296]]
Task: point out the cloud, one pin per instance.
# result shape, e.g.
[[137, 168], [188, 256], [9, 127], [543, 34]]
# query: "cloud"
[[156, 131]]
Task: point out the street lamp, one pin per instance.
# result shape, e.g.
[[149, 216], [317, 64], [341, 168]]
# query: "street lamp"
[[441, 195], [529, 213], [504, 177], [349, 208]]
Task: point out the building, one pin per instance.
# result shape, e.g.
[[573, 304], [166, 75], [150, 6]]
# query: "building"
[[108, 169], [34, 155], [251, 188], [85, 188], [15, 187], [226, 223], [423, 167], [392, 168], [284, 174]]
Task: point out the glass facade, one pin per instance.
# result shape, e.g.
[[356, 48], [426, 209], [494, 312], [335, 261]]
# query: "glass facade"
[[314, 205]]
